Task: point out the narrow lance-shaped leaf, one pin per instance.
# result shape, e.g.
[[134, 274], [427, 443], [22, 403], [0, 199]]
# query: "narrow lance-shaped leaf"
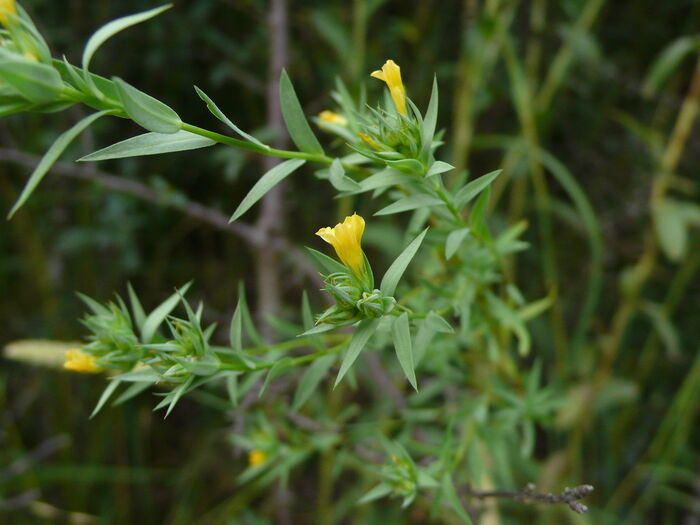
[[110, 29], [326, 264], [156, 317], [454, 239], [430, 121], [364, 331], [265, 184], [236, 335], [401, 333], [106, 394], [294, 118], [147, 111], [471, 190], [412, 202], [35, 82], [55, 151], [223, 118], [312, 377], [393, 274], [150, 144]]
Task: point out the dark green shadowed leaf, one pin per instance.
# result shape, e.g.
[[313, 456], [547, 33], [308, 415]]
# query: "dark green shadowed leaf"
[[294, 118], [265, 184], [401, 333], [150, 144], [55, 151], [147, 111], [448, 489], [364, 331], [398, 267]]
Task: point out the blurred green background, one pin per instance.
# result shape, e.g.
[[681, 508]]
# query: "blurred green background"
[[128, 465]]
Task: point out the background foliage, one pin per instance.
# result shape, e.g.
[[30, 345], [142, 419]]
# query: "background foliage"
[[604, 100]]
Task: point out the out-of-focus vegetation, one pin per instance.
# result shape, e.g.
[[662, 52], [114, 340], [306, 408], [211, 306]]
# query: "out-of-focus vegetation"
[[589, 107]]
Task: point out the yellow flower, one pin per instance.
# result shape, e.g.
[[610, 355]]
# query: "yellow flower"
[[79, 361], [369, 140], [256, 457], [332, 118], [391, 74], [346, 238], [7, 7]]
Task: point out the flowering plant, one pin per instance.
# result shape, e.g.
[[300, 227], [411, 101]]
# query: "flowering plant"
[[445, 303]]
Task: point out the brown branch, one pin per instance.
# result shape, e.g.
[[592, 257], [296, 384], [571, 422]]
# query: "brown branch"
[[194, 210], [570, 496]]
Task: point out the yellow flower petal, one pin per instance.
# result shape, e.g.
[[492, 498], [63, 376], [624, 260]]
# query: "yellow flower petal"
[[332, 118], [346, 239], [79, 361], [256, 457], [391, 74], [7, 7]]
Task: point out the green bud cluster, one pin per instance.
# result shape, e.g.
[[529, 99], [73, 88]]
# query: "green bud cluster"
[[354, 301], [113, 341], [389, 136]]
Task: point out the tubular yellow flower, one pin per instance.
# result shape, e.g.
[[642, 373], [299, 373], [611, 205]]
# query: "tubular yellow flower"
[[346, 238], [333, 118], [79, 361], [256, 457], [391, 74], [7, 7]]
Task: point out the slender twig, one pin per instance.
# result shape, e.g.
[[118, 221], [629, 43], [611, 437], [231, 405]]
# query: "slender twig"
[[271, 219], [570, 496]]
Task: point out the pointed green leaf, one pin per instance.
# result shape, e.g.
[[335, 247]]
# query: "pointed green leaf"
[[364, 331], [156, 317], [223, 118], [146, 111], [311, 379], [55, 151], [411, 203], [393, 274], [34, 81], [450, 493], [471, 190], [477, 217], [236, 334], [150, 144], [439, 167], [115, 26], [339, 180], [106, 394], [438, 324], [276, 371], [381, 490], [265, 184], [326, 264], [136, 308], [294, 118], [132, 391], [401, 333], [454, 239], [232, 387], [430, 121]]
